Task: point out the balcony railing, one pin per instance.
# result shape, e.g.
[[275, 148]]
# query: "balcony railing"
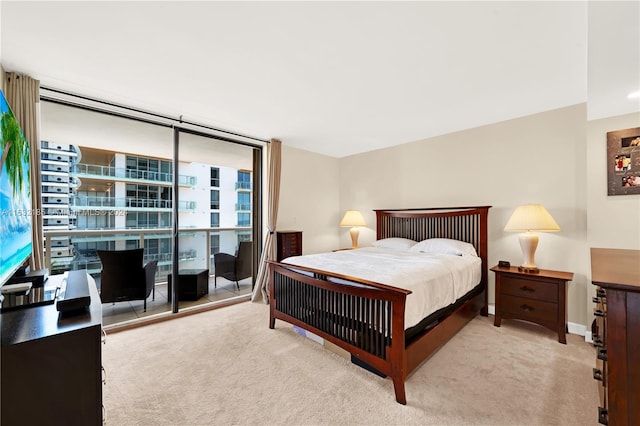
[[184, 180], [243, 186], [87, 259], [101, 171], [128, 203], [243, 206]]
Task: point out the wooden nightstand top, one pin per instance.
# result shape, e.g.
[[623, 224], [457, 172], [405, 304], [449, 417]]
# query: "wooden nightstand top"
[[544, 273]]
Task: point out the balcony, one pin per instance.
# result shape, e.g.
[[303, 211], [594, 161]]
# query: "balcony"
[[184, 180], [197, 248], [79, 203], [243, 207], [97, 171], [243, 186]]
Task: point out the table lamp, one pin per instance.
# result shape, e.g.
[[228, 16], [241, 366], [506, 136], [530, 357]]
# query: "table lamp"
[[353, 219], [529, 219]]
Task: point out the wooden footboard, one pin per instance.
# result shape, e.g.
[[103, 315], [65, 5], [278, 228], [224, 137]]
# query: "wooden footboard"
[[366, 319]]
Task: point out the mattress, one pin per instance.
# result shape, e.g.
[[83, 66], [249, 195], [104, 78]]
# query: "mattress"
[[435, 280]]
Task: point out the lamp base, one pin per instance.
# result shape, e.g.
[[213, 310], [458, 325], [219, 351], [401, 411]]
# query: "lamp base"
[[354, 232], [528, 269]]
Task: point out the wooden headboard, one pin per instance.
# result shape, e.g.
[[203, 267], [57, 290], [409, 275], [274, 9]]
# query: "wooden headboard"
[[468, 224]]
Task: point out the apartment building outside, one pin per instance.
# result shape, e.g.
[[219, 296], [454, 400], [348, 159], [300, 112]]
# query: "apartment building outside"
[[87, 191]]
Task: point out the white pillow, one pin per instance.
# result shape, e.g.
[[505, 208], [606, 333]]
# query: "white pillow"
[[444, 245], [402, 244]]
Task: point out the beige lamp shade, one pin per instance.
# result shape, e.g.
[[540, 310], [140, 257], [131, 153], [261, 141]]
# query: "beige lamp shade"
[[528, 219], [531, 217], [353, 219]]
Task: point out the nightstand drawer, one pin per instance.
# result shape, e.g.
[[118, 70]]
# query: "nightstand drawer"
[[529, 309], [530, 289]]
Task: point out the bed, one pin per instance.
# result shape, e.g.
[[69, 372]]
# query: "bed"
[[374, 321]]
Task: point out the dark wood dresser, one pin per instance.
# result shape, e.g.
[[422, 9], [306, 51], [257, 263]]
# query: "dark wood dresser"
[[616, 334], [289, 243], [52, 365], [536, 297]]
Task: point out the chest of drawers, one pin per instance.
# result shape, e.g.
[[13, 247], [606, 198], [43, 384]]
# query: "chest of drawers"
[[288, 243], [616, 334]]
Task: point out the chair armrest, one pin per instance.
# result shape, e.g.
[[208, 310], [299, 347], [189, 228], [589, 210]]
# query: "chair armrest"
[[150, 274]]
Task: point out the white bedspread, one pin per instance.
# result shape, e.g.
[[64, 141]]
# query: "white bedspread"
[[435, 280]]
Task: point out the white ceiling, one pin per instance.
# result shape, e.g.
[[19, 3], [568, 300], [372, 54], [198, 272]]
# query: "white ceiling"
[[337, 78]]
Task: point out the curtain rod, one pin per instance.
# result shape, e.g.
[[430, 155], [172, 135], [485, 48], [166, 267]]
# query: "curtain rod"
[[153, 114]]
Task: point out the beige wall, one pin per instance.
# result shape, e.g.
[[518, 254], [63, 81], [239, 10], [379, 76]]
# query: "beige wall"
[[535, 159], [309, 197], [556, 158]]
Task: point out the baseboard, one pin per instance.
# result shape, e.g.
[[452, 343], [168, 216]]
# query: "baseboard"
[[579, 329], [588, 337], [573, 328]]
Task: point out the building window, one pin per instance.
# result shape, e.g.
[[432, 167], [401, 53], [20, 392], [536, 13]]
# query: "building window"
[[244, 201], [215, 220], [215, 244], [244, 180], [244, 219], [215, 177], [245, 236], [215, 199]]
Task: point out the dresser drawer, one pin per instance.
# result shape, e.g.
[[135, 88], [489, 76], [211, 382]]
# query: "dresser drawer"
[[529, 309], [530, 289]]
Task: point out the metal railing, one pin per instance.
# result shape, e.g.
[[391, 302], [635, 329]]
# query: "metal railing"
[[243, 206], [243, 185], [102, 235], [143, 203], [97, 170]]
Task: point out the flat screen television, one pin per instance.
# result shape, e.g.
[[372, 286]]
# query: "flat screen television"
[[15, 195]]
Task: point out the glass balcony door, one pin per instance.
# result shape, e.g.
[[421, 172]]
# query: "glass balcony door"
[[119, 183], [213, 264]]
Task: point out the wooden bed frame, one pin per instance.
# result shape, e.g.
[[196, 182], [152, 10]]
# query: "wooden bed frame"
[[367, 319]]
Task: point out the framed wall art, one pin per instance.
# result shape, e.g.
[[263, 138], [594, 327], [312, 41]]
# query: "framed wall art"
[[623, 162]]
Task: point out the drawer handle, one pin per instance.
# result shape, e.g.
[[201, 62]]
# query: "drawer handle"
[[529, 289], [527, 308], [598, 313], [602, 354], [603, 416], [597, 374]]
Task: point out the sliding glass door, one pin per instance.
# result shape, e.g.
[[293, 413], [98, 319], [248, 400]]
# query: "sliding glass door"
[[115, 182], [216, 236]]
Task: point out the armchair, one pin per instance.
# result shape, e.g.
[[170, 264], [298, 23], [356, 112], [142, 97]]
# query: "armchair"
[[233, 268], [124, 277]]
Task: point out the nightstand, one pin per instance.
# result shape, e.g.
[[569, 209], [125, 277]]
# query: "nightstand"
[[536, 297]]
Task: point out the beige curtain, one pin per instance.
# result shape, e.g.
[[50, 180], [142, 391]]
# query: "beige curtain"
[[23, 96], [274, 161]]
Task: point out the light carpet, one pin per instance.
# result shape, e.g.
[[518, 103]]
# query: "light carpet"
[[226, 367]]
